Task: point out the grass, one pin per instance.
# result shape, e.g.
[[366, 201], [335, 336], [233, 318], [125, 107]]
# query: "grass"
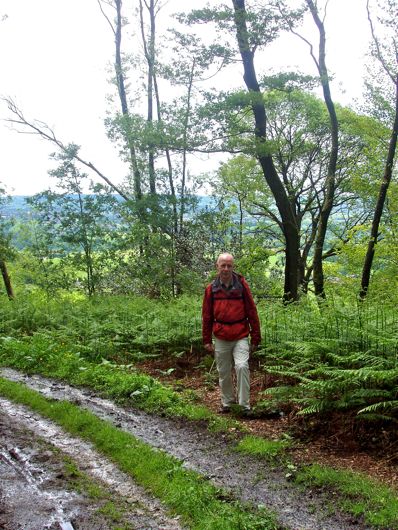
[[41, 354], [376, 502], [355, 493], [347, 347], [270, 450], [111, 507], [200, 504]]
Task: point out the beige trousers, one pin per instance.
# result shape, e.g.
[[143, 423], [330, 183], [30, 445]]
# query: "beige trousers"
[[229, 353]]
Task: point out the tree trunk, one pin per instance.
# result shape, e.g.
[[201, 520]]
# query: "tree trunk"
[[288, 218], [330, 182], [123, 102], [374, 233], [149, 50], [185, 135], [7, 280], [86, 243], [169, 164]]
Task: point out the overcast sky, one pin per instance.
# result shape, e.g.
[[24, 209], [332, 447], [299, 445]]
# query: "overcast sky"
[[54, 62]]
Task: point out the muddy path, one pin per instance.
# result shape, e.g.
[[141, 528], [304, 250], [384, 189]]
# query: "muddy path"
[[211, 455], [36, 490]]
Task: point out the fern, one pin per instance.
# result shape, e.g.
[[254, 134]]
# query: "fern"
[[382, 405], [316, 407], [322, 380]]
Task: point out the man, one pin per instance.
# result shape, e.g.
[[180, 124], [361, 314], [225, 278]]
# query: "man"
[[230, 315]]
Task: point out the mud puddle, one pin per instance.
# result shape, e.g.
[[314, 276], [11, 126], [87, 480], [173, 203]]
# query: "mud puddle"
[[211, 455], [35, 493], [30, 494]]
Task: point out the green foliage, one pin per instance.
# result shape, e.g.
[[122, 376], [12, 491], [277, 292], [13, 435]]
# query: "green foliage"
[[6, 250], [40, 353], [357, 494], [340, 358], [108, 326], [73, 228], [289, 81], [222, 20], [268, 449], [298, 138], [318, 382]]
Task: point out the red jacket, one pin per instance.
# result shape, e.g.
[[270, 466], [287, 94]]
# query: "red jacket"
[[230, 314]]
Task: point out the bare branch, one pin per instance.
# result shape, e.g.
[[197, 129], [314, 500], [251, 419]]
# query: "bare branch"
[[105, 15], [304, 39], [376, 42], [44, 131]]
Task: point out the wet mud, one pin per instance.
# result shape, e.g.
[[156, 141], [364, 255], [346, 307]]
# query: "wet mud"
[[36, 492], [212, 455]]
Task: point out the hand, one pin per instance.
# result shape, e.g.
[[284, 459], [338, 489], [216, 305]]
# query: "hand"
[[253, 347], [209, 347]]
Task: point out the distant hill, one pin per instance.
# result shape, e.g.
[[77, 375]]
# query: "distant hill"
[[17, 208]]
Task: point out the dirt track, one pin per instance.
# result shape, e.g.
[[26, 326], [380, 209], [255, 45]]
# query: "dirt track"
[[35, 467], [35, 490]]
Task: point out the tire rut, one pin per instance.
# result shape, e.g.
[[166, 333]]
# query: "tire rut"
[[248, 479], [34, 493]]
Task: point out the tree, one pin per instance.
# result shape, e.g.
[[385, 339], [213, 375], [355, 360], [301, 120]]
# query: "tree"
[[330, 180], [6, 251], [78, 224], [386, 54], [39, 260], [45, 132], [247, 46], [298, 130], [116, 28]]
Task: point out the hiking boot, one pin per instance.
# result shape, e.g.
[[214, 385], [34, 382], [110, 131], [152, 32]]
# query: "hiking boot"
[[247, 413]]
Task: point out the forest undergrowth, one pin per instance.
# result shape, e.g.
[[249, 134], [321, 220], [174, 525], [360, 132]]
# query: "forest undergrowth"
[[327, 373]]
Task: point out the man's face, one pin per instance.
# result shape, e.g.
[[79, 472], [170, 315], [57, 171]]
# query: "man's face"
[[225, 267]]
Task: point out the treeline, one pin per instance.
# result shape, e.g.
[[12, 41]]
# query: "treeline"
[[305, 191]]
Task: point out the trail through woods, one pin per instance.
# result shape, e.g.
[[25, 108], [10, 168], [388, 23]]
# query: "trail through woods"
[[30, 456]]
